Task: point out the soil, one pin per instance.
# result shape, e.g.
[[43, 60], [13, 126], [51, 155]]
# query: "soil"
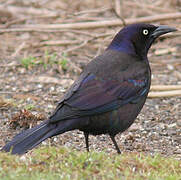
[[56, 58]]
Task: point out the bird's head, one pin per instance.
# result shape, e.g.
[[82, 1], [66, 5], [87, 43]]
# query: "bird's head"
[[136, 39]]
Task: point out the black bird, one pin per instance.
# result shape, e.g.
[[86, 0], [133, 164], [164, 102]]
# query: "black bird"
[[108, 95]]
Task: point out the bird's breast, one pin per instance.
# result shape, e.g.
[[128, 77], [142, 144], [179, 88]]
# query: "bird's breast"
[[114, 121]]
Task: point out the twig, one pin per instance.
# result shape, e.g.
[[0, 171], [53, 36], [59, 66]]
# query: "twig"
[[92, 11], [83, 19], [21, 20], [58, 43], [150, 7], [6, 92], [22, 45], [177, 74], [118, 10], [77, 47], [116, 22], [27, 10], [13, 63], [117, 6], [85, 25], [165, 87], [16, 21], [175, 34], [164, 94]]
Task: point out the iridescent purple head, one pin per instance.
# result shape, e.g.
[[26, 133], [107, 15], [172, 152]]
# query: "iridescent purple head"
[[136, 39]]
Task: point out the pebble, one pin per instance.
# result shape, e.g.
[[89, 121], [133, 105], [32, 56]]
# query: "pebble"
[[179, 123]]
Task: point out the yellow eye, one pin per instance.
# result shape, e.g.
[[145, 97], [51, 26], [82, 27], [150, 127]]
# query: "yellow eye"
[[145, 31]]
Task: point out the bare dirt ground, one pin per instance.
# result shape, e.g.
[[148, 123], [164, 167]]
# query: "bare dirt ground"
[[37, 65]]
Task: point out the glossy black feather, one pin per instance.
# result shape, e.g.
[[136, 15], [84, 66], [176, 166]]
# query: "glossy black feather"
[[108, 95]]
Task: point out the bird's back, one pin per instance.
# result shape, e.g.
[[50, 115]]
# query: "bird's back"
[[109, 93]]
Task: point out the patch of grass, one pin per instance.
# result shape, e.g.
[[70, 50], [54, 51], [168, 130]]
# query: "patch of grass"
[[54, 59], [45, 60], [64, 62], [50, 59], [30, 107], [62, 163], [28, 62]]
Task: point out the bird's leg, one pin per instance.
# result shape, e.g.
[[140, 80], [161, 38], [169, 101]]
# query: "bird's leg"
[[86, 135], [115, 144]]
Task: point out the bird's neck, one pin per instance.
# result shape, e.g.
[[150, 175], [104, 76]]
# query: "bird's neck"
[[127, 47], [122, 46]]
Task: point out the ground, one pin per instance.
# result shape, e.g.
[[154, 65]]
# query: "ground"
[[37, 67]]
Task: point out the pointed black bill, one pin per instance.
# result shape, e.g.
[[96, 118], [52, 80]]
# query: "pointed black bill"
[[162, 30]]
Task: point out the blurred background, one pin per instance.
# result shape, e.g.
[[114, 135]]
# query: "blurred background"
[[44, 44]]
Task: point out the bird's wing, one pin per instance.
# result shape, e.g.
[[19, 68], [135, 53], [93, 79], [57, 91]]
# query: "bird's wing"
[[94, 96], [94, 93]]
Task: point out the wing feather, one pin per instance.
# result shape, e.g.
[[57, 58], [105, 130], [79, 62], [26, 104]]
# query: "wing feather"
[[94, 93]]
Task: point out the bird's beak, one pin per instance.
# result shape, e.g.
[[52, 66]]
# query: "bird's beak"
[[162, 30]]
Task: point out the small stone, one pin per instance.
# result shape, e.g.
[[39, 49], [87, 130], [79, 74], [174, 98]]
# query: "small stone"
[[134, 127], [179, 123], [23, 158], [170, 67], [172, 125], [39, 85], [172, 132], [50, 106], [52, 88]]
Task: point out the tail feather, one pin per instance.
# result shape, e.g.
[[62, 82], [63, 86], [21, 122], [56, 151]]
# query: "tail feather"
[[30, 138]]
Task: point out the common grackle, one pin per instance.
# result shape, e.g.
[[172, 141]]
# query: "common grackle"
[[108, 95]]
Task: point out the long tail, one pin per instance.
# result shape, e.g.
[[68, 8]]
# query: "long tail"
[[30, 138]]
